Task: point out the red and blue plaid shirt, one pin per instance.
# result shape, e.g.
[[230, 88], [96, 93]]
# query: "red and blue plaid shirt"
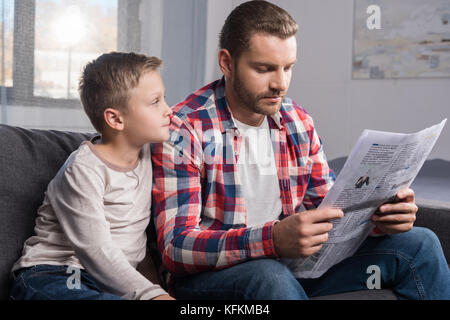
[[198, 201]]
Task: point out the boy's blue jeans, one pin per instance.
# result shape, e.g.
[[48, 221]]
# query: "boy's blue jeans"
[[46, 282], [412, 264]]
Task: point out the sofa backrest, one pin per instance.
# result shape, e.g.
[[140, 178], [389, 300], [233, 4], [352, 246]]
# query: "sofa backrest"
[[29, 159]]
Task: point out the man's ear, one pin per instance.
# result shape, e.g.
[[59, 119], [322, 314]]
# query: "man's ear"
[[113, 119], [225, 62]]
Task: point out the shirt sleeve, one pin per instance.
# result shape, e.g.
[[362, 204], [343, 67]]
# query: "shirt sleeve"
[[321, 176], [77, 200], [188, 246]]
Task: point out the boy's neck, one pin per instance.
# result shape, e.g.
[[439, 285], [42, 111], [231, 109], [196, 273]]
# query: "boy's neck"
[[118, 152]]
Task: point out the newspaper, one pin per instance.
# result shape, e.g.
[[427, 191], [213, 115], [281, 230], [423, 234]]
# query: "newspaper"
[[381, 164]]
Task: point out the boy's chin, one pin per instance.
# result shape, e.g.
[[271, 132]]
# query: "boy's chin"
[[161, 138]]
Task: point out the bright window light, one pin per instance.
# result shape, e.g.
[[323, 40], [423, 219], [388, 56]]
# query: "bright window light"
[[69, 34], [70, 28]]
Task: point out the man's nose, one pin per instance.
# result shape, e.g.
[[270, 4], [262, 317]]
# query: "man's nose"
[[279, 81]]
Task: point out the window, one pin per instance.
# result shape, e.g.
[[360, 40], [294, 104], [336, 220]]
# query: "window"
[[68, 34], [43, 46], [47, 42], [53, 39]]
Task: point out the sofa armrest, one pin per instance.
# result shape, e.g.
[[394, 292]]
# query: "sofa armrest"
[[435, 215]]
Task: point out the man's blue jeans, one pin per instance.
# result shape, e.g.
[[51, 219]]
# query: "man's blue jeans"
[[412, 264], [46, 282]]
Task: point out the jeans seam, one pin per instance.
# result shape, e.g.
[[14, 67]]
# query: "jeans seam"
[[411, 265]]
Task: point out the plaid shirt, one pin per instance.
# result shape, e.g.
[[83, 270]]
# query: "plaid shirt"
[[198, 201]]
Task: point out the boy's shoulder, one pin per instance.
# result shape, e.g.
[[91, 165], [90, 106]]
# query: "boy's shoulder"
[[82, 157]]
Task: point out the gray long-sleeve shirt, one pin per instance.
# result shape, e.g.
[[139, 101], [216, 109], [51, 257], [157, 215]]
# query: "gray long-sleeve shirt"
[[94, 217]]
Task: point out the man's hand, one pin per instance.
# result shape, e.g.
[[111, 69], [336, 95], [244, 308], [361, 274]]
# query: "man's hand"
[[303, 234], [397, 217]]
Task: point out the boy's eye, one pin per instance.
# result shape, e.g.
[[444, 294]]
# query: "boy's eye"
[[156, 101]]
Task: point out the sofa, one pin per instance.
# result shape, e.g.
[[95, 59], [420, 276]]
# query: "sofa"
[[29, 159]]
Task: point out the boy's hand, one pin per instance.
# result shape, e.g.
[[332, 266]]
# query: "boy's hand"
[[164, 297], [397, 217]]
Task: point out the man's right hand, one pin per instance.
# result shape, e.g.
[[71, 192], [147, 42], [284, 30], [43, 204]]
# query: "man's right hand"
[[303, 234]]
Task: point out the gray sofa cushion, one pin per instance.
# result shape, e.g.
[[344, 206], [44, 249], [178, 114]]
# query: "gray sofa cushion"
[[435, 215], [29, 159]]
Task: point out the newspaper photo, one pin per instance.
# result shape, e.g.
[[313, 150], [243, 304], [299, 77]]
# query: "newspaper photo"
[[380, 165]]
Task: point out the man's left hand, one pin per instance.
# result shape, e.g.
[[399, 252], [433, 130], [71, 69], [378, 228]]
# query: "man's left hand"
[[397, 217]]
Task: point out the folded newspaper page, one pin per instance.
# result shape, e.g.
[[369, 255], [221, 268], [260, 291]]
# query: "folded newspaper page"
[[380, 165]]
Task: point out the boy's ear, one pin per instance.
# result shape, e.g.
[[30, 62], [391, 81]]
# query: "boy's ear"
[[225, 62], [113, 119]]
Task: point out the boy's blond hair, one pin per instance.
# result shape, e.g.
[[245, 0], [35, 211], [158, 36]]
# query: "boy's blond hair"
[[106, 82]]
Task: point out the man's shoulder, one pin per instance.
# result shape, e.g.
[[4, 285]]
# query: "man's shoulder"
[[292, 112], [200, 101]]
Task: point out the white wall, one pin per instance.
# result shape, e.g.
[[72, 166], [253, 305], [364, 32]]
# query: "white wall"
[[342, 107]]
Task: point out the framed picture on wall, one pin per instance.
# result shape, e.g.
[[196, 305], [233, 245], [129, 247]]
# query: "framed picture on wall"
[[401, 39]]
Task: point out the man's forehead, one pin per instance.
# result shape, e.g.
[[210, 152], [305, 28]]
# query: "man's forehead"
[[264, 46]]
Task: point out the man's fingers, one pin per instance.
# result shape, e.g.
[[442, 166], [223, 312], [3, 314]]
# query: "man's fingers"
[[318, 240], [310, 251], [401, 207], [321, 215], [406, 195], [395, 218], [320, 228], [394, 227]]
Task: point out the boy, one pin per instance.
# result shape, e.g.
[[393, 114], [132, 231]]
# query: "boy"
[[90, 230]]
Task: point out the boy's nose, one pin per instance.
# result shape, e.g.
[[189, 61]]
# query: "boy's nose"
[[168, 111]]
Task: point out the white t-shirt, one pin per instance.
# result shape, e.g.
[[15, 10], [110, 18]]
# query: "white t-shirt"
[[258, 174]]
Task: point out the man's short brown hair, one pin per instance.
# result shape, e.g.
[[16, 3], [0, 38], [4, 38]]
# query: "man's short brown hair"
[[253, 17], [106, 82]]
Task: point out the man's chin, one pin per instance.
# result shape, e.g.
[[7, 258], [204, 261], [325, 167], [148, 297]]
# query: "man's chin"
[[268, 109]]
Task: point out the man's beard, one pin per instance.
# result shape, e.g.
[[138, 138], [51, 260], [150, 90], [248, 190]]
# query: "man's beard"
[[254, 101]]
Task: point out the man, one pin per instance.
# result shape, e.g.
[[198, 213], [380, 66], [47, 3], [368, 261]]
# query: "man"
[[225, 215]]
